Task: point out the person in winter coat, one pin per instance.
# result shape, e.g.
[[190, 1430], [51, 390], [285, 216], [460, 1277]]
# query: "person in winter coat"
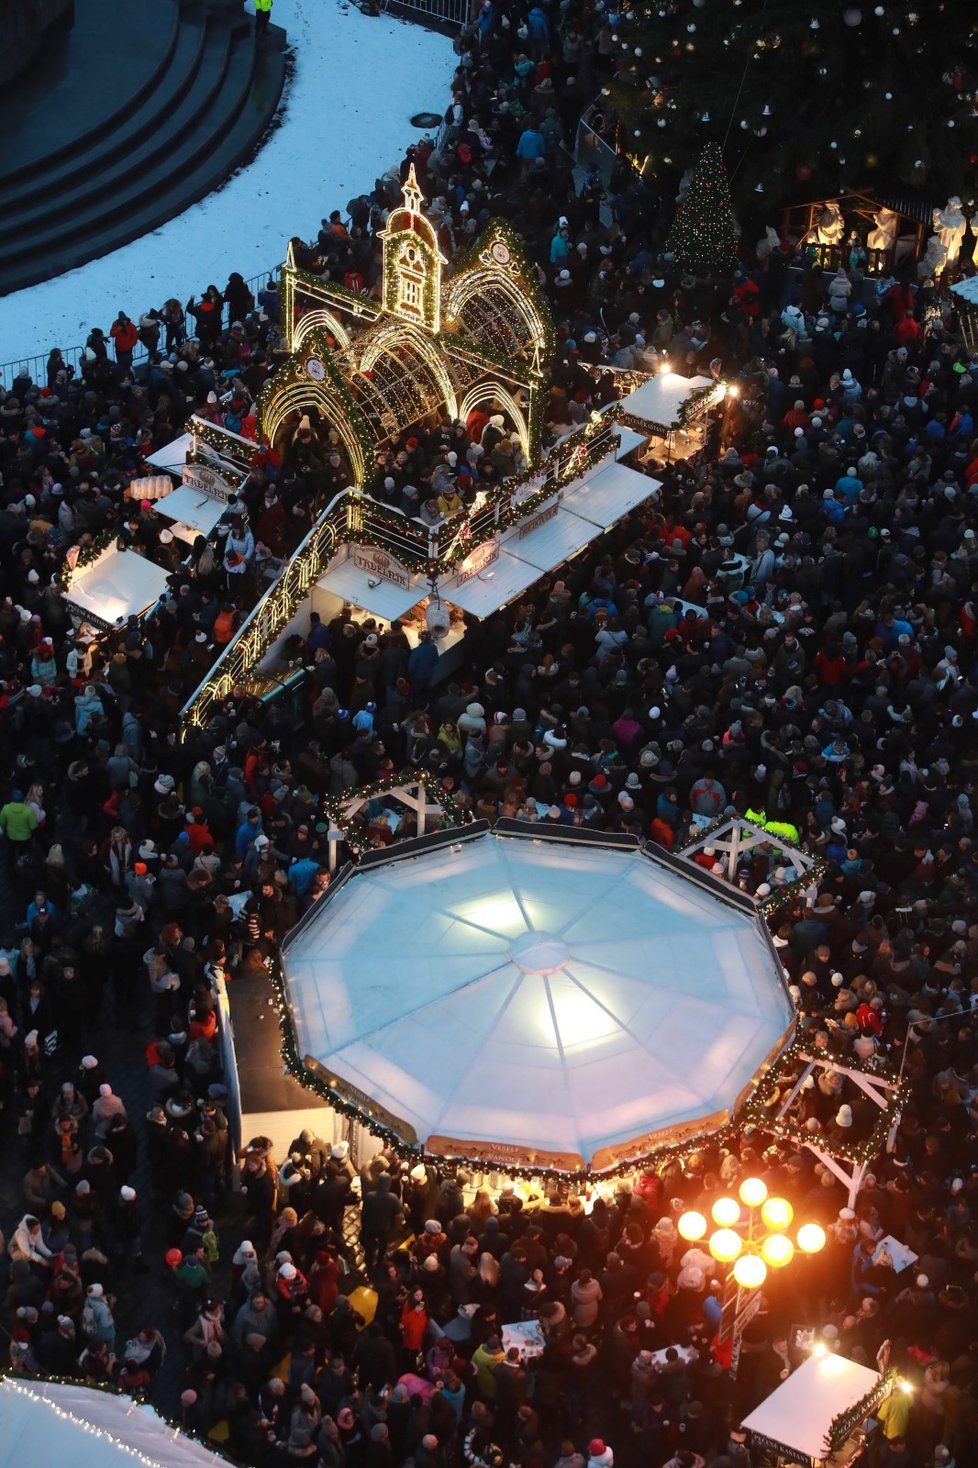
[[97, 1320], [414, 1327], [324, 1281], [88, 710], [380, 1213], [586, 1298], [125, 335], [28, 1243]]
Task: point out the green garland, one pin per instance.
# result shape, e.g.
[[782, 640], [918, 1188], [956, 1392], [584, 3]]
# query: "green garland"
[[690, 409], [332, 805], [87, 556], [841, 1427], [755, 1109], [790, 890]]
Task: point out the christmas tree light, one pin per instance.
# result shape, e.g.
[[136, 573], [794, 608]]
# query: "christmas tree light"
[[703, 237]]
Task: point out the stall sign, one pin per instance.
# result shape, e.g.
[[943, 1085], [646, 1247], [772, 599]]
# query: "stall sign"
[[505, 1154], [84, 614], [619, 1153], [540, 518], [208, 481], [371, 1110], [480, 558], [378, 563], [847, 1422], [782, 1450]]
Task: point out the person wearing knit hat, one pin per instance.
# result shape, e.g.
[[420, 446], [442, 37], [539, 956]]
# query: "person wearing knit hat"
[[599, 1454]]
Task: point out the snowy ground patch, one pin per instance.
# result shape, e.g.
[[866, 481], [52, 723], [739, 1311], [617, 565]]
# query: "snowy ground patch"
[[358, 81]]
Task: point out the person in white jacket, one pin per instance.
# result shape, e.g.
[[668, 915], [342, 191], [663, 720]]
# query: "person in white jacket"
[[28, 1244]]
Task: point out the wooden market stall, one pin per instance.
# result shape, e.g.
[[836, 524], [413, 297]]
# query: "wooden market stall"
[[819, 1417]]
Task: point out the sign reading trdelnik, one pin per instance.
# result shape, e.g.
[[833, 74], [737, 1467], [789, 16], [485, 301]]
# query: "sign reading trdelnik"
[[477, 561], [207, 480], [378, 563]]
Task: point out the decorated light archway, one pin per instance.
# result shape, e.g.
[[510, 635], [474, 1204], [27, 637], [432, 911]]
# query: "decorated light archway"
[[437, 338], [427, 374], [490, 393], [330, 398], [320, 317]]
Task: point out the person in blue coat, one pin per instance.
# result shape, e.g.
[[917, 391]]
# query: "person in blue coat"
[[421, 668]]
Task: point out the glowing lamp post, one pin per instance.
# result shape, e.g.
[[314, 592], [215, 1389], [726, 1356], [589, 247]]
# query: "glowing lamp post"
[[751, 1237]]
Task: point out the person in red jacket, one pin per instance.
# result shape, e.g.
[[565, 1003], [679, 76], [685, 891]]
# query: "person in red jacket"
[[125, 335]]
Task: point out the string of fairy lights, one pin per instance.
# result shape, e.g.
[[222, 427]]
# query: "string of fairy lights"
[[103, 1434]]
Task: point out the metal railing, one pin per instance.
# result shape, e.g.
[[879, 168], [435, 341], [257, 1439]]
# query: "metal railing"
[[241, 657], [446, 12], [37, 365]]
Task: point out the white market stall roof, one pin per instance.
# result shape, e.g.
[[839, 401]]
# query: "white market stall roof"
[[799, 1413], [54, 1425], [607, 495], [628, 439], [200, 512], [383, 599], [173, 456], [119, 585], [494, 587], [543, 541], [658, 401], [524, 996], [967, 290]]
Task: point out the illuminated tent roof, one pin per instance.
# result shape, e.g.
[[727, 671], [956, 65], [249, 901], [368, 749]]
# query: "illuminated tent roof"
[[560, 1001], [67, 1425]]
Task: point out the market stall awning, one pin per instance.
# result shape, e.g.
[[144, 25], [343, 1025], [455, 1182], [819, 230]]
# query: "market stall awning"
[[200, 512], [629, 439], [658, 401], [604, 497], [519, 991], [492, 588], [65, 1425], [549, 537], [798, 1414], [967, 290], [122, 584], [382, 598], [172, 456]]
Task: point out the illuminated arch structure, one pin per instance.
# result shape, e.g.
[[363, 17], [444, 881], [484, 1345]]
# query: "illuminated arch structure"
[[480, 335]]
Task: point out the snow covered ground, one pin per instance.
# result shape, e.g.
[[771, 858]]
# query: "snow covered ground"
[[358, 81]]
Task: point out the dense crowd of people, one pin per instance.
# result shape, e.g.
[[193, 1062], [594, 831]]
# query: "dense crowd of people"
[[829, 691]]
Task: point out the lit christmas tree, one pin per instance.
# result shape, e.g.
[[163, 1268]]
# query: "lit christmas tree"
[[807, 100], [703, 237]]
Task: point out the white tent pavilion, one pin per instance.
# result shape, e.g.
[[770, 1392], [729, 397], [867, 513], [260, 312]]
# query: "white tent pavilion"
[[120, 584], [795, 1419], [536, 999], [62, 1425]]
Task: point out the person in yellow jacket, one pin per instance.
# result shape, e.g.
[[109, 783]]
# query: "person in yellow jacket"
[[263, 16]]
